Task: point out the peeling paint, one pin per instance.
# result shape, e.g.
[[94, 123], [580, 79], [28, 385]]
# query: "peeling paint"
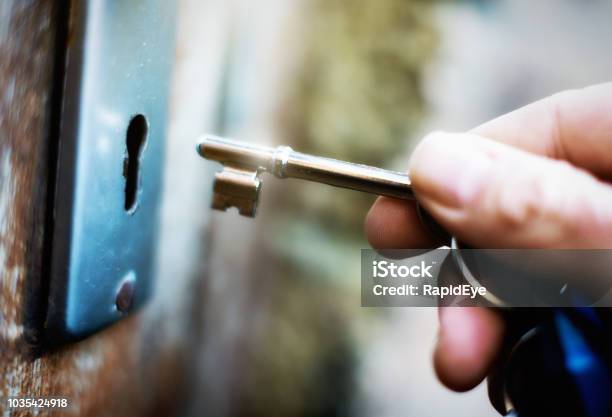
[[6, 194], [88, 361], [9, 329]]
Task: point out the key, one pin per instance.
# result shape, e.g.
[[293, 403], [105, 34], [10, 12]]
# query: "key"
[[238, 184]]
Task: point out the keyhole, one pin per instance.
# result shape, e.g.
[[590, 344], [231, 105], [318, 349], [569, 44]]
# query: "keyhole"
[[135, 140]]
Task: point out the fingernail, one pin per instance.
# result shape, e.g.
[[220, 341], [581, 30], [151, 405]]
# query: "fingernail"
[[449, 168]]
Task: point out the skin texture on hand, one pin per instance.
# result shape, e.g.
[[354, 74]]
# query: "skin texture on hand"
[[534, 178]]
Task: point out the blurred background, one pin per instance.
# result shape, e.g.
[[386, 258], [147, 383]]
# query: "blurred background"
[[275, 300]]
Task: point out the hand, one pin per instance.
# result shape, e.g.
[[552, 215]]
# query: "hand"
[[534, 178]]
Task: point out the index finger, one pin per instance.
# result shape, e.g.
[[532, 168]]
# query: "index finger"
[[573, 125]]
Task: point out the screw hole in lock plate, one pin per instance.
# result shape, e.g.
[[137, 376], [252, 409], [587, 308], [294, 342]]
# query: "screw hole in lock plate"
[[126, 293], [136, 138]]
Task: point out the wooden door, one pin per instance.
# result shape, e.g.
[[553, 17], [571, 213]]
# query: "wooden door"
[[139, 366]]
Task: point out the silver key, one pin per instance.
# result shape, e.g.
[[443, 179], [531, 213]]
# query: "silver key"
[[239, 183]]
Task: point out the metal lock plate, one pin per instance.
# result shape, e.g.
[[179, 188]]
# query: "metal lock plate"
[[109, 168]]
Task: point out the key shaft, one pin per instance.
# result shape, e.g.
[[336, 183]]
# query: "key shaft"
[[283, 162]]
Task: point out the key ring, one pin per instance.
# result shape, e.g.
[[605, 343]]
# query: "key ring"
[[465, 271]]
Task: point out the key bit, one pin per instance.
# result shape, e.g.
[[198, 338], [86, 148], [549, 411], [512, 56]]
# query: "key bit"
[[238, 184]]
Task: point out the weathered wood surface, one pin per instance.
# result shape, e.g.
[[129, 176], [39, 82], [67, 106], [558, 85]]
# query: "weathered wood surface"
[[27, 33], [133, 368]]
